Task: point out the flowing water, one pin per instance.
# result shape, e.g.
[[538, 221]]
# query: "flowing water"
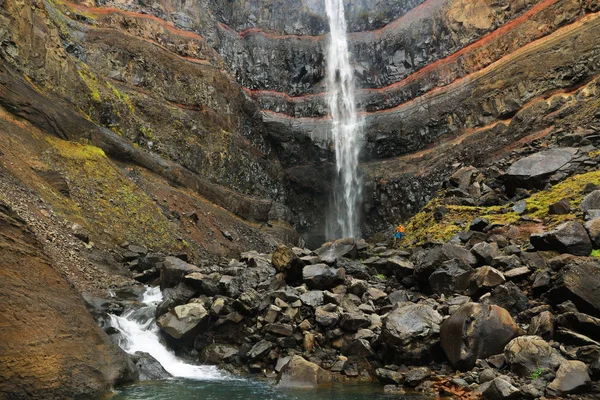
[[346, 128], [140, 333]]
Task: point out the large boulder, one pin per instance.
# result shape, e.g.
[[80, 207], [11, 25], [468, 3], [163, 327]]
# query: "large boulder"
[[148, 367], [322, 276], [527, 354], [218, 353], [593, 228], [569, 237], [299, 373], [591, 202], [173, 272], [533, 170], [411, 331], [579, 283], [182, 321], [428, 261], [572, 376], [476, 331], [507, 296], [453, 277]]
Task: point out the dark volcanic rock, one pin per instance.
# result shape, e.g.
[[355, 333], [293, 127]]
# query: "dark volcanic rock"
[[427, 262], [322, 276], [354, 321], [531, 171], [509, 297], [330, 252], [476, 331], [570, 237], [148, 367], [217, 353], [591, 202], [579, 283], [286, 261], [183, 321], [453, 277], [173, 272], [411, 331]]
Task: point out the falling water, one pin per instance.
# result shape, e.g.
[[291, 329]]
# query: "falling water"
[[140, 334], [346, 127]]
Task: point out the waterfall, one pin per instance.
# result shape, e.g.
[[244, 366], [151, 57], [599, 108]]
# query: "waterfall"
[[346, 128], [140, 334]]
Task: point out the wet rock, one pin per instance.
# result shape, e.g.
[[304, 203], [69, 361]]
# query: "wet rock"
[[173, 272], [299, 373], [532, 171], [352, 322], [330, 252], [389, 376], [259, 350], [561, 207], [542, 325], [321, 276], [498, 389], [475, 332], [217, 353], [173, 297], [453, 276], [526, 354], [148, 367], [183, 321], [569, 237], [484, 279], [572, 376], [579, 283], [411, 330]]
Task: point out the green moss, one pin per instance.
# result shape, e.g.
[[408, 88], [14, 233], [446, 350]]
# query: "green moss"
[[424, 228], [91, 81], [596, 253], [111, 204]]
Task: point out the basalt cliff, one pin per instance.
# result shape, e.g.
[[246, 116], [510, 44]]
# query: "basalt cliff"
[[199, 129]]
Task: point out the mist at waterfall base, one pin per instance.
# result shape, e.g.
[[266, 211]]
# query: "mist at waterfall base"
[[346, 130], [139, 333]]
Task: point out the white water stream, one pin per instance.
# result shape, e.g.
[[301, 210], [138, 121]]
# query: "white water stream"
[[140, 333], [346, 127]]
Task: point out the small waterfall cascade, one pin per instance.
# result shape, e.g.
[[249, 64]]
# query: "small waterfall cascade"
[[346, 128], [141, 334]]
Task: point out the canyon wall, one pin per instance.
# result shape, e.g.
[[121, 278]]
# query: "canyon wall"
[[233, 92]]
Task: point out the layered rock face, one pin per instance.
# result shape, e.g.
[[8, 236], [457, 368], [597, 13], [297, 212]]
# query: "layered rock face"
[[234, 91]]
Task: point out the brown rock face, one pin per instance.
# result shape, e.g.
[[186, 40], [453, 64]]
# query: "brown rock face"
[[50, 347], [299, 373]]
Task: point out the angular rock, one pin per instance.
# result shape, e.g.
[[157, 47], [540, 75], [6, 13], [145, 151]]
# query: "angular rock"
[[389, 376], [569, 237], [572, 376], [484, 279], [486, 252], [593, 229], [183, 321], [525, 354], [542, 325], [286, 261], [312, 298], [581, 323], [561, 207], [358, 349], [499, 389], [509, 297], [416, 376], [322, 276], [531, 171], [299, 373], [330, 252], [427, 262], [149, 368], [476, 332], [454, 276], [173, 272], [217, 353], [352, 322], [591, 202], [259, 350], [579, 283], [327, 316], [479, 224], [398, 266], [248, 302], [411, 331]]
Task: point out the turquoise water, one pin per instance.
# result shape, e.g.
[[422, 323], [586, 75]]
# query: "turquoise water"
[[180, 389]]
